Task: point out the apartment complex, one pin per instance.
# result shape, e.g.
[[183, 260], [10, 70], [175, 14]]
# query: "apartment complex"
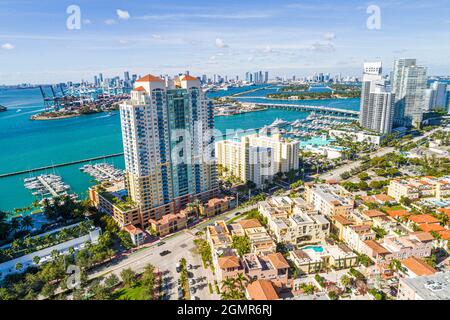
[[314, 259], [416, 188], [377, 101], [418, 244], [168, 145], [258, 157], [329, 199], [408, 84], [294, 221]]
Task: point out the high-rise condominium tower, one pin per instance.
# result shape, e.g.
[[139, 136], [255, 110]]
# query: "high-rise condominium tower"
[[377, 102], [409, 85], [168, 145]]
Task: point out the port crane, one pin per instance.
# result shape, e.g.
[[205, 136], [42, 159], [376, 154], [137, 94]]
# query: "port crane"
[[56, 101]]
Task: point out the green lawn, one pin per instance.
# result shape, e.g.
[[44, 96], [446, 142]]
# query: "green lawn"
[[129, 293]]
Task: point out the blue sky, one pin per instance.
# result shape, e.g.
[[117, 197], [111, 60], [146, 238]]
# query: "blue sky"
[[229, 37]]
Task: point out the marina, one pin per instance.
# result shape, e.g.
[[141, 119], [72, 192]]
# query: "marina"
[[103, 172], [46, 186]]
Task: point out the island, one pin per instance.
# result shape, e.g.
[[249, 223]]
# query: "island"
[[97, 106]]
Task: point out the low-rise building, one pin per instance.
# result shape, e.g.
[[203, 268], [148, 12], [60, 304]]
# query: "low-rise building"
[[355, 236], [228, 265], [313, 259], [168, 223], [272, 267], [218, 235], [329, 199], [415, 188], [415, 267], [216, 206], [432, 287], [416, 244], [136, 234], [261, 290]]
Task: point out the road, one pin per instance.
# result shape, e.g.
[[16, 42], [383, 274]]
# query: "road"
[[180, 245], [336, 173]]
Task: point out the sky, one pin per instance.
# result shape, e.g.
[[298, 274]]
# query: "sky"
[[285, 37]]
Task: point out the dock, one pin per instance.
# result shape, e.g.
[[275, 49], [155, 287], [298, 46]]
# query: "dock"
[[47, 186], [9, 174]]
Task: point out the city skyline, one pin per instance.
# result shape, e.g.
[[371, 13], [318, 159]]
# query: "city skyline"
[[283, 37]]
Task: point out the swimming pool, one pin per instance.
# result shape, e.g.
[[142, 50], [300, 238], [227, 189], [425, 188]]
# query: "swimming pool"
[[315, 248]]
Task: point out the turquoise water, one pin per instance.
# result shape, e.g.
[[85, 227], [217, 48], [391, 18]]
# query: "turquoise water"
[[315, 142], [26, 144], [315, 248]]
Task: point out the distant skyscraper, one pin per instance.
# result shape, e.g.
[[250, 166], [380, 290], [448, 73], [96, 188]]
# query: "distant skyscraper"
[[377, 102], [439, 95], [266, 76], [409, 84], [168, 145], [100, 78]]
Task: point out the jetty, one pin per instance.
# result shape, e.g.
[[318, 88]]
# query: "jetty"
[[4, 175]]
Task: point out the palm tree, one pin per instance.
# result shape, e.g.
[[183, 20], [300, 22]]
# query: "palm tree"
[[36, 259], [19, 266], [26, 222]]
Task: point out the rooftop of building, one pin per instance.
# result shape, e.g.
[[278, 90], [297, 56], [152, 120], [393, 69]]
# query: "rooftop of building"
[[229, 262], [262, 290], [432, 287], [418, 266], [249, 223], [423, 218], [150, 78]]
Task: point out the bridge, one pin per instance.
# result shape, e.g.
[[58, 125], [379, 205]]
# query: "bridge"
[[318, 109]]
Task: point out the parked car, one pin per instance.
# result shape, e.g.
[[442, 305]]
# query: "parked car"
[[165, 253], [178, 267], [191, 282]]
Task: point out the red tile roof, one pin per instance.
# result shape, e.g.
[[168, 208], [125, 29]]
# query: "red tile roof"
[[249, 223], [431, 227], [140, 88], [262, 290], [418, 266], [374, 213], [187, 77], [445, 234], [423, 218], [228, 262], [376, 247], [132, 229], [398, 213], [278, 261], [150, 78]]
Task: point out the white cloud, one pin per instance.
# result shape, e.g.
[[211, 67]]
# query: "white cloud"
[[268, 49], [87, 21], [110, 21], [8, 46], [220, 43], [233, 16], [123, 14], [157, 36], [322, 47], [329, 36]]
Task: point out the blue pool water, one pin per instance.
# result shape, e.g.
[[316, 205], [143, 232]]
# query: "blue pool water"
[[315, 248]]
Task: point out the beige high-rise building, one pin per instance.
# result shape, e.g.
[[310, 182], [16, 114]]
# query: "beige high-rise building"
[[168, 145], [258, 158]]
